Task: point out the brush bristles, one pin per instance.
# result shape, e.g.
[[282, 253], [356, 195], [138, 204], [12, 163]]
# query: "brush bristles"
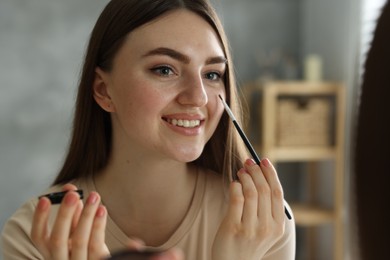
[[227, 108]]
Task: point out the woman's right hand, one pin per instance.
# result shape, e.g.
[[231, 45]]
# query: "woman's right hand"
[[78, 231]]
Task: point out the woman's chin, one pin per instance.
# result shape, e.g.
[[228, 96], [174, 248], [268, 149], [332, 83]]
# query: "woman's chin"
[[188, 155]]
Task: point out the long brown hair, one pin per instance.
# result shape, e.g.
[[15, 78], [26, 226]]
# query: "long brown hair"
[[90, 144], [371, 158]]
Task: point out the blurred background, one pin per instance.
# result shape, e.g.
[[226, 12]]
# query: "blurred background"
[[42, 44]]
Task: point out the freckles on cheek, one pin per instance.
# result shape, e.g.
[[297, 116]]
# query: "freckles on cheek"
[[216, 114], [219, 109], [215, 102], [139, 95], [146, 104], [220, 113], [137, 107]]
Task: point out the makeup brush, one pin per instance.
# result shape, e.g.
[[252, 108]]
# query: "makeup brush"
[[246, 141]]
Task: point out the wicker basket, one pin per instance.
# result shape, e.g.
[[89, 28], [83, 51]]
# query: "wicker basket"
[[303, 122]]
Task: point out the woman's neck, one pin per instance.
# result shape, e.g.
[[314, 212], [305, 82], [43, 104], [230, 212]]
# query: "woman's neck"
[[146, 197]]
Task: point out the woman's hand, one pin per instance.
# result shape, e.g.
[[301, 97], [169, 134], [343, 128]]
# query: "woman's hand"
[[255, 217], [170, 254], [78, 231]]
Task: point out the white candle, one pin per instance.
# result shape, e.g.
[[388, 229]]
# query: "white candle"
[[313, 68]]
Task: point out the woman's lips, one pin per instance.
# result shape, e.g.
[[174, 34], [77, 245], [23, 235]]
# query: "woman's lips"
[[186, 125], [184, 122]]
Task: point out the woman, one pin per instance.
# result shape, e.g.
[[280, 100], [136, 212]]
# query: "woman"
[[151, 146]]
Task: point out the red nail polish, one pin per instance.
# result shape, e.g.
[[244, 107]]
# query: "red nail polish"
[[242, 171], [265, 162], [70, 199], [101, 211], [43, 204], [92, 198], [250, 162]]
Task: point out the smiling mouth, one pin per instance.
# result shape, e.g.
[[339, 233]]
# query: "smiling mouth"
[[183, 122]]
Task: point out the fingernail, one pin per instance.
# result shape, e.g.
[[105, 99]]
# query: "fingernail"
[[101, 211], [136, 243], [265, 162], [43, 204], [138, 240], [250, 162], [93, 197], [242, 171], [162, 256], [70, 199]]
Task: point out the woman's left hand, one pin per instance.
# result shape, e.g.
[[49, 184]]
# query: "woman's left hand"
[[255, 217]]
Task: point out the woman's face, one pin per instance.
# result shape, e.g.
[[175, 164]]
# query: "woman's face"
[[164, 87]]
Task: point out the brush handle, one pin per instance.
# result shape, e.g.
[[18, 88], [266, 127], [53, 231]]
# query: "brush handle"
[[247, 143], [254, 154]]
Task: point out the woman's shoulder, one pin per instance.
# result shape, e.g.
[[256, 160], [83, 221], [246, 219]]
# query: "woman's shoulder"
[[15, 237], [25, 212], [22, 217]]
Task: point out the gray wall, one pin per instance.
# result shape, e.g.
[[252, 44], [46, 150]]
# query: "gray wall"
[[41, 48], [42, 43], [258, 29], [331, 28]]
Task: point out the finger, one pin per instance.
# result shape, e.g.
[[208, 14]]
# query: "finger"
[[61, 230], [236, 203], [136, 244], [264, 208], [81, 235], [249, 215], [77, 214], [171, 254], [276, 189], [68, 186], [39, 230], [97, 248]]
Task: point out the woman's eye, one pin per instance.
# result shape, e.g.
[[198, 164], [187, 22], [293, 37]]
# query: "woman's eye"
[[165, 71], [213, 76]]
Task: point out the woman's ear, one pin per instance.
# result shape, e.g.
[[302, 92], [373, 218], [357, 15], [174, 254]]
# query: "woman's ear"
[[100, 91]]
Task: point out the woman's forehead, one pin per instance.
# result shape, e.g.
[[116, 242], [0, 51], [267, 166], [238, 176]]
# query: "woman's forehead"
[[177, 29]]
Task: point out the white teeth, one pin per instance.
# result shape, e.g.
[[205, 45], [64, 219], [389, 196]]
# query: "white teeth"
[[184, 123]]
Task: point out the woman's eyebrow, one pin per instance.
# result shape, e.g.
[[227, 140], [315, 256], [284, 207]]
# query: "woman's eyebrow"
[[169, 52], [216, 60], [182, 57]]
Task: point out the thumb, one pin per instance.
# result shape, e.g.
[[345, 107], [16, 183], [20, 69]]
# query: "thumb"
[[136, 244]]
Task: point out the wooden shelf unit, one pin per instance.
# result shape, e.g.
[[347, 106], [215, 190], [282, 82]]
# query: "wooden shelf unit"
[[311, 215], [308, 215], [287, 154]]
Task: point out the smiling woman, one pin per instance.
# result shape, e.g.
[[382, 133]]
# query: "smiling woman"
[[151, 148]]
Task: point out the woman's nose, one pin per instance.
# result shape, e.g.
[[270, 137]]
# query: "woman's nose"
[[193, 93]]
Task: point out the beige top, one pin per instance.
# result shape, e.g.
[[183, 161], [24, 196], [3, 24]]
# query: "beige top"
[[194, 236]]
